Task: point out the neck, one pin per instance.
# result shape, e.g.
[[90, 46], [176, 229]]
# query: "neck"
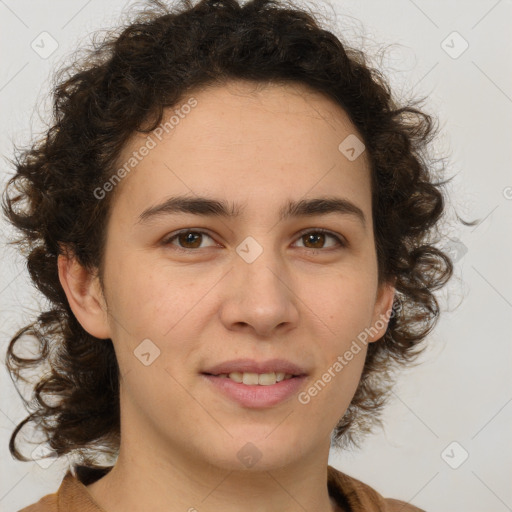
[[143, 480], [154, 472]]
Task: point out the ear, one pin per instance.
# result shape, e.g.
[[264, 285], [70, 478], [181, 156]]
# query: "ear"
[[382, 311], [84, 295]]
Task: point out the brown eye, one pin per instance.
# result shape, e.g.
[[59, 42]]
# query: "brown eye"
[[315, 239], [190, 240], [187, 239]]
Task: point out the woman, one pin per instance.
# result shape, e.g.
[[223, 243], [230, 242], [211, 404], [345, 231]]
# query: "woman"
[[232, 219]]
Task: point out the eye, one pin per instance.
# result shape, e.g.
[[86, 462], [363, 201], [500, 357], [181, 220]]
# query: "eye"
[[317, 238], [189, 239]]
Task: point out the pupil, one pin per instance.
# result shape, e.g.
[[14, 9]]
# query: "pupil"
[[189, 238], [312, 236]]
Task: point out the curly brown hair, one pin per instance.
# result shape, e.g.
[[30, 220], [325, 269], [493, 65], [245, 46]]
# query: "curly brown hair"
[[122, 85]]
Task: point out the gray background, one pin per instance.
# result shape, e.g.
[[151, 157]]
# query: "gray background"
[[457, 404]]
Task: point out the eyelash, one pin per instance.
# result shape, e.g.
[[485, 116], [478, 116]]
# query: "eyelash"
[[168, 240]]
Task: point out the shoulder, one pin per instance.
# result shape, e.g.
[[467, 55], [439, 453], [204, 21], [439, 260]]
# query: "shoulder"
[[356, 496], [72, 495], [47, 503], [401, 506]]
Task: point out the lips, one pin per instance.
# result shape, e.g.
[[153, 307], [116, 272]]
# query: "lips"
[[259, 367], [255, 396], [278, 381]]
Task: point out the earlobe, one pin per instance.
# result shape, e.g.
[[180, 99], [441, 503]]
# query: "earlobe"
[[84, 295], [382, 311]]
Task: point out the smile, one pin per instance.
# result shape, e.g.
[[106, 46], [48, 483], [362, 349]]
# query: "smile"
[[242, 389], [252, 379]]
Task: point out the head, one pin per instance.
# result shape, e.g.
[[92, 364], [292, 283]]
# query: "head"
[[314, 243]]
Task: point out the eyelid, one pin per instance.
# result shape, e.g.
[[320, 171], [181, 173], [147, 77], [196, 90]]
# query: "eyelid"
[[167, 240], [338, 237]]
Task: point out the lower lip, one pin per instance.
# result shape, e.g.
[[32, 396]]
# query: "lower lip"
[[256, 396]]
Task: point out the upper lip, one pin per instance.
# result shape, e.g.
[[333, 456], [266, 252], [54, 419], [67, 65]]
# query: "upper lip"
[[252, 366]]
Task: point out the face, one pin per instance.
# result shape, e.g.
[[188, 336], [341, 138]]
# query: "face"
[[193, 293]]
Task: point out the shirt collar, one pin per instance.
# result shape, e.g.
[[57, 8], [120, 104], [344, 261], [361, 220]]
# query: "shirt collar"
[[349, 493]]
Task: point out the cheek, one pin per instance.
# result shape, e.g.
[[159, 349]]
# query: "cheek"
[[147, 302], [163, 307], [327, 397], [343, 303], [345, 306]]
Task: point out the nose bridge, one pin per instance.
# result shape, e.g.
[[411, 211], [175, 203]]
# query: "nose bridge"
[[258, 293], [258, 262]]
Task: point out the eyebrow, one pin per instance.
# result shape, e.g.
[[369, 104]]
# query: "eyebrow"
[[209, 207]]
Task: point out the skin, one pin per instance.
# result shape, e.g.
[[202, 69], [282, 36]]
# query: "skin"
[[301, 300]]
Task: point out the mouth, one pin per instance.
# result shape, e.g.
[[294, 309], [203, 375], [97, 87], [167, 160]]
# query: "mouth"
[[256, 373], [254, 384], [255, 379]]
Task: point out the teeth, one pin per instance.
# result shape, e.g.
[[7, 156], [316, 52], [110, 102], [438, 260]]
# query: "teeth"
[[252, 379], [236, 376]]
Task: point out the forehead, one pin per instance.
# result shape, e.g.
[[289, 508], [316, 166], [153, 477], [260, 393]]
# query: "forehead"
[[242, 113], [247, 139]]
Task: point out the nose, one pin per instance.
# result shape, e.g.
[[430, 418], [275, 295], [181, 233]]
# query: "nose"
[[259, 297]]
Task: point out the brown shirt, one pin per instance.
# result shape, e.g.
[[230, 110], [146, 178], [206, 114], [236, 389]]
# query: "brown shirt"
[[350, 494]]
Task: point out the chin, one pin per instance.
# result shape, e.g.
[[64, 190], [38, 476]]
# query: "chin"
[[257, 450]]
